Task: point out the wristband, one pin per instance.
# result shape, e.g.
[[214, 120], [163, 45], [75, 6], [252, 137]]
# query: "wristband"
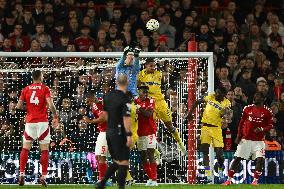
[[128, 133]]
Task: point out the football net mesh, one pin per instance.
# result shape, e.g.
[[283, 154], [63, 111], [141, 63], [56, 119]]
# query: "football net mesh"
[[73, 143]]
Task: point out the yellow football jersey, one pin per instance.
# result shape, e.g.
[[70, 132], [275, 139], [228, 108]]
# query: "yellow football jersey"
[[213, 110], [153, 81], [134, 121]]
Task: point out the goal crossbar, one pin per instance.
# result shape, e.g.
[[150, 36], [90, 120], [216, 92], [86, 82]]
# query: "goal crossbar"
[[108, 54]]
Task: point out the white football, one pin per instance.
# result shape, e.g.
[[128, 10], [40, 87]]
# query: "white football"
[[152, 25]]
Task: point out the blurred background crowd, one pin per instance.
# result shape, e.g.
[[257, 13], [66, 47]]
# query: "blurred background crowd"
[[246, 36]]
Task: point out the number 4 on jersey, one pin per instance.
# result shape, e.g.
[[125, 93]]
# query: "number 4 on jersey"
[[34, 99]]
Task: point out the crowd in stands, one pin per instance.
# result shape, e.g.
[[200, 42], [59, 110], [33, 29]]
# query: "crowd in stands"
[[246, 37]]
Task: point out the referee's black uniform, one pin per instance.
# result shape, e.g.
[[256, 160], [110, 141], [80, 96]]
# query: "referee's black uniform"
[[117, 105]]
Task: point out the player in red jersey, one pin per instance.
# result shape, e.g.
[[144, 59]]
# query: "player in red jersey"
[[256, 121], [147, 134], [37, 98], [101, 149]]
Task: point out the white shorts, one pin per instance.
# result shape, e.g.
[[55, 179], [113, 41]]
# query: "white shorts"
[[101, 145], [38, 131], [247, 148], [145, 142]]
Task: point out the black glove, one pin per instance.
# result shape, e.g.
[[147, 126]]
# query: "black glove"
[[126, 50], [136, 52]]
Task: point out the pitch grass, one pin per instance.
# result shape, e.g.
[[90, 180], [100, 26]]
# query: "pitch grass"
[[161, 186]]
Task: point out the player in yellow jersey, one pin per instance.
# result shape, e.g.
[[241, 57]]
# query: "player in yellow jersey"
[[152, 78], [216, 116]]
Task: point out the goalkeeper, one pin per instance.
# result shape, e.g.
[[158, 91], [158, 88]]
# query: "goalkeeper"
[[129, 65], [152, 78]]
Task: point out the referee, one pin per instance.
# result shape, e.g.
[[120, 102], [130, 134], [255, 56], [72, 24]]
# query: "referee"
[[118, 134]]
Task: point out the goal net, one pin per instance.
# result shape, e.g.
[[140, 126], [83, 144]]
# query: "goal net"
[[186, 77]]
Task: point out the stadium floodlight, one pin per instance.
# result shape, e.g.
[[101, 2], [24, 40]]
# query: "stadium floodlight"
[[199, 68]]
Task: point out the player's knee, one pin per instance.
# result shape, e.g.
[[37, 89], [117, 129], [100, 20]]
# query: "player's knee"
[[150, 153]]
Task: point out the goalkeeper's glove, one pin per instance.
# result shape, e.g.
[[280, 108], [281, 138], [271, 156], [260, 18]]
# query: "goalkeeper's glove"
[[126, 50], [136, 52]]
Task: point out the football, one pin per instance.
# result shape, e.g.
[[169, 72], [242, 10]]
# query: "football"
[[152, 25]]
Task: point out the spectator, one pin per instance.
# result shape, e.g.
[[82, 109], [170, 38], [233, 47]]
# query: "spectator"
[[262, 86], [168, 30], [106, 13], [18, 40], [45, 46], [84, 41], [28, 23], [59, 29], [101, 38], [237, 113], [240, 97], [8, 26], [64, 41], [35, 46], [73, 28], [66, 111], [38, 13], [6, 136], [40, 29], [271, 143], [112, 33], [280, 69], [203, 35], [223, 79], [7, 46]]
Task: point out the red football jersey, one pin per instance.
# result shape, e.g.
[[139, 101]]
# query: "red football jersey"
[[252, 118], [97, 110], [35, 97], [146, 125]]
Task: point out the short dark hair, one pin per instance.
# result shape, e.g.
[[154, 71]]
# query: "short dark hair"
[[91, 94], [36, 75], [261, 94], [222, 90], [148, 60]]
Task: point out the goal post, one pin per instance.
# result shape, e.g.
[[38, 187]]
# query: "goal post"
[[201, 67]]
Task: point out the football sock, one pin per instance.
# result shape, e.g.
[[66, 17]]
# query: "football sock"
[[121, 175], [230, 174], [109, 172], [102, 167], [176, 135], [128, 176], [23, 160], [44, 162], [154, 171], [207, 171], [256, 175], [147, 169]]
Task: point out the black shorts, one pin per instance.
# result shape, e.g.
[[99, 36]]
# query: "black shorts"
[[117, 146]]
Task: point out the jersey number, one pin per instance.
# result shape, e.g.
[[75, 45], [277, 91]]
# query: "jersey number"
[[34, 98]]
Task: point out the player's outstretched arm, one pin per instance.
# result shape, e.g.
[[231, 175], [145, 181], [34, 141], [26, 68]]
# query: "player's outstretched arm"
[[120, 62], [195, 104]]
